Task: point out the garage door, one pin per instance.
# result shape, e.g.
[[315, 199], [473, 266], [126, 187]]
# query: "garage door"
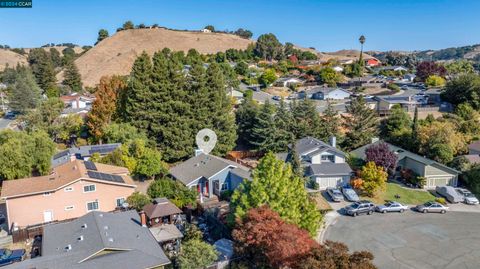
[[438, 181], [325, 182]]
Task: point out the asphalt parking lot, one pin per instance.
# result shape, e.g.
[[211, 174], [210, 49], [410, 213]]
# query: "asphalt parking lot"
[[413, 240]]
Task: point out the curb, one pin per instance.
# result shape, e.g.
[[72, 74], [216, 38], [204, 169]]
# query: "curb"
[[329, 219]]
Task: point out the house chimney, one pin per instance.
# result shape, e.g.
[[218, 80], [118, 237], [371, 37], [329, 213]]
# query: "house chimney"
[[333, 141], [143, 219], [198, 152]]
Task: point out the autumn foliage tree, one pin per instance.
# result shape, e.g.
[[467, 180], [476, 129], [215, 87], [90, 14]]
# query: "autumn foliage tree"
[[104, 107], [374, 178], [426, 69], [381, 155], [267, 241]]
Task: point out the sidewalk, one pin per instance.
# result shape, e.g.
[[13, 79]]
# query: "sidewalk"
[[329, 219]]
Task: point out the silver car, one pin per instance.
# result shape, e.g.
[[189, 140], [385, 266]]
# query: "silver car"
[[350, 194], [470, 199], [391, 207], [335, 194], [432, 207]]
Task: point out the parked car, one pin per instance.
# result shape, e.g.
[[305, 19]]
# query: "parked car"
[[450, 194], [276, 98], [335, 194], [8, 256], [360, 207], [432, 207], [391, 206], [350, 194], [468, 197]]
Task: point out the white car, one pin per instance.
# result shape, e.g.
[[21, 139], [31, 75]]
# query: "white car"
[[470, 199], [391, 206]]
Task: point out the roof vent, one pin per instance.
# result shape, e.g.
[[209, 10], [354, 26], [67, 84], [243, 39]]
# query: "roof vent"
[[105, 227], [100, 215], [68, 247], [84, 226], [110, 239], [80, 238]]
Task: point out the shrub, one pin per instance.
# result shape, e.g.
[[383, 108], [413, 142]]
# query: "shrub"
[[393, 87], [441, 200], [226, 195]]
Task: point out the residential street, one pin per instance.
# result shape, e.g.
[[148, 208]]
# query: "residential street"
[[413, 240]]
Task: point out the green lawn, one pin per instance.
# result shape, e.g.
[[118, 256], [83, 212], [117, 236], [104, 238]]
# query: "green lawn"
[[407, 196]]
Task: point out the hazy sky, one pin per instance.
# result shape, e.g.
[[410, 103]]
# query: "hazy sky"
[[326, 25]]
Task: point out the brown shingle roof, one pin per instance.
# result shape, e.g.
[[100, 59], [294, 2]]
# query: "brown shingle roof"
[[160, 209], [61, 176]]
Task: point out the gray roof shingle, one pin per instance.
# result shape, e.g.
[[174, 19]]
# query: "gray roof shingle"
[[109, 240], [330, 169], [204, 165], [309, 144]]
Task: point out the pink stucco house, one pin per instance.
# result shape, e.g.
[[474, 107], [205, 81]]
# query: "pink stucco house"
[[70, 191]]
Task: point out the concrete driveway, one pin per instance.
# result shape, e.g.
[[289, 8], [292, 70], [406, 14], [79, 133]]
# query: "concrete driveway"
[[413, 240]]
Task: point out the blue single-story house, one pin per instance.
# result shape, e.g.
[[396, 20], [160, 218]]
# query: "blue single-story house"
[[210, 175]]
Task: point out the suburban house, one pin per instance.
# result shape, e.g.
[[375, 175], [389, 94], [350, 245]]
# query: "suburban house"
[[474, 148], [70, 191], [407, 102], [323, 163], [76, 104], [210, 175], [287, 82], [98, 240], [436, 173], [331, 94], [366, 81], [392, 68], [82, 153]]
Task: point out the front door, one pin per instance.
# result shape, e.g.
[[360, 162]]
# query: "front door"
[[47, 216]]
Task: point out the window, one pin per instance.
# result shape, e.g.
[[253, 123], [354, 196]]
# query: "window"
[[224, 186], [88, 188], [92, 206], [327, 158], [68, 189], [120, 201], [69, 207]]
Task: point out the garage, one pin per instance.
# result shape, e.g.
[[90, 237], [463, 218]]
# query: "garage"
[[433, 182], [325, 182]]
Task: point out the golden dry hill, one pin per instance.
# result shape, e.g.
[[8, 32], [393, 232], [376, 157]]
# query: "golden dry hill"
[[116, 54], [10, 58]]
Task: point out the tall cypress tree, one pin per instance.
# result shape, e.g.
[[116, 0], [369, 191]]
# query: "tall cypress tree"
[[283, 121], [264, 130], [414, 142], [72, 77], [43, 68], [245, 117], [361, 124], [306, 119], [223, 119], [330, 123], [137, 95]]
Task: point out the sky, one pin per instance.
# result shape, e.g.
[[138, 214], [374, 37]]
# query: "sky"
[[327, 25]]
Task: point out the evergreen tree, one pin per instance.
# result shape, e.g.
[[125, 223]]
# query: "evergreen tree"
[[72, 77], [137, 95], [223, 120], [295, 160], [330, 123], [306, 121], [245, 117], [414, 140], [25, 93], [274, 184], [398, 127], [283, 120], [264, 130], [102, 34], [55, 57], [43, 68], [361, 124]]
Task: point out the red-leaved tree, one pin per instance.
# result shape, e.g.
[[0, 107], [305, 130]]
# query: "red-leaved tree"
[[426, 69], [381, 155], [265, 239]]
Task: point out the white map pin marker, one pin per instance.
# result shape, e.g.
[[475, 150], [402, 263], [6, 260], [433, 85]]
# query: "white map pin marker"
[[206, 140]]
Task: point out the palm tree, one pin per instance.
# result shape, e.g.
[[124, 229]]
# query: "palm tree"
[[362, 40]]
